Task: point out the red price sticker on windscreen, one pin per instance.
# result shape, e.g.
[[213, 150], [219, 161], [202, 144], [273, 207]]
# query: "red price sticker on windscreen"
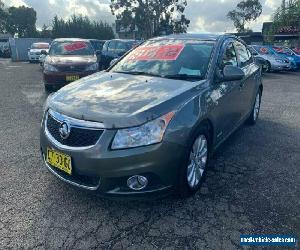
[[75, 46], [264, 50], [159, 53]]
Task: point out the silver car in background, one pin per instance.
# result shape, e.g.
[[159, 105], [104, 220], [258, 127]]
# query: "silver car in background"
[[35, 51], [274, 62]]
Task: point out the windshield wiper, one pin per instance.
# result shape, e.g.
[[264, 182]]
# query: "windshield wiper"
[[183, 77], [137, 73]]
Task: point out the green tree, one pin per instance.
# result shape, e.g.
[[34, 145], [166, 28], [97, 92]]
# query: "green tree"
[[151, 17], [82, 27], [3, 18], [287, 18], [245, 12], [21, 21]]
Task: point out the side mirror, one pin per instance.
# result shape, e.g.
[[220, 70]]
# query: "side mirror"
[[44, 52], [98, 52], [232, 73], [113, 62]]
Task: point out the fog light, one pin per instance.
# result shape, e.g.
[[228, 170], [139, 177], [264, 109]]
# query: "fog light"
[[137, 182]]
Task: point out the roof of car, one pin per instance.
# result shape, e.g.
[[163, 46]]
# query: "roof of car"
[[123, 40], [71, 39], [41, 43], [97, 40], [199, 36]]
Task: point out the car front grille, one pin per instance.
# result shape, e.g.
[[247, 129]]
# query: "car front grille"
[[71, 68], [78, 137]]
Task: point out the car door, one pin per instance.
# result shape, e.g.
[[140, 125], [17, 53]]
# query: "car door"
[[247, 89], [226, 94]]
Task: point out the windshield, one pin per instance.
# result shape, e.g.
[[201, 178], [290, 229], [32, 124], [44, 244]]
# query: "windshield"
[[40, 46], [285, 51], [297, 51], [263, 50], [97, 45], [74, 48], [168, 58]]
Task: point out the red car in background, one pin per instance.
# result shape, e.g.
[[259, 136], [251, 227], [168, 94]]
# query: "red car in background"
[[68, 60]]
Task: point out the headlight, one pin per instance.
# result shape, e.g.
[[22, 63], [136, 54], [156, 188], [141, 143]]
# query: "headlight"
[[92, 67], [49, 67], [147, 134], [279, 60]]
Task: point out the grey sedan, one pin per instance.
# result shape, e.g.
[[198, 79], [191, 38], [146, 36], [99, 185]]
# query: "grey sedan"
[[150, 123]]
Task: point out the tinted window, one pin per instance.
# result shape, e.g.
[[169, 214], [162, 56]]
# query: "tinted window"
[[121, 46], [111, 46], [71, 48], [97, 45], [105, 46], [243, 54], [40, 46], [229, 57], [168, 57], [263, 50]]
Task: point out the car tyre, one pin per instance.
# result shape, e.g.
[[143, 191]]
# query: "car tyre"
[[193, 171], [268, 67], [252, 120]]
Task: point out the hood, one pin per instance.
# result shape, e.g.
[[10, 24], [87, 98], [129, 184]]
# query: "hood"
[[62, 60], [121, 100]]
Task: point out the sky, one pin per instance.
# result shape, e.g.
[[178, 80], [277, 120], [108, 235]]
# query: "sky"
[[205, 15]]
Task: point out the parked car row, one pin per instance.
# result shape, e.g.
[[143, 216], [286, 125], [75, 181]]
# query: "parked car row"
[[276, 58], [68, 59]]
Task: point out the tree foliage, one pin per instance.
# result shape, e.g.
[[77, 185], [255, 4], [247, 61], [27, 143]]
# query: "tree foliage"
[[81, 27], [21, 20], [287, 18], [3, 18], [151, 17], [245, 12]]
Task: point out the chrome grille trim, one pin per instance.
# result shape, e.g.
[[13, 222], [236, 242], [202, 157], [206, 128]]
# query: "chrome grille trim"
[[75, 123]]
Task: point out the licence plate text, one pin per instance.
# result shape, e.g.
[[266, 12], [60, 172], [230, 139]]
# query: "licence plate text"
[[59, 160]]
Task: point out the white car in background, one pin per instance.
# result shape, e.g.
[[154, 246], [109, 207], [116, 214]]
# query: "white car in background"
[[34, 52]]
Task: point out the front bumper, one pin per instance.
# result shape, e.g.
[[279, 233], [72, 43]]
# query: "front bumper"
[[59, 78], [105, 172], [281, 66], [34, 58]]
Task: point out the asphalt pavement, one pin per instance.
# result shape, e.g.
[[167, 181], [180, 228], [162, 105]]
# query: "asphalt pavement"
[[252, 187]]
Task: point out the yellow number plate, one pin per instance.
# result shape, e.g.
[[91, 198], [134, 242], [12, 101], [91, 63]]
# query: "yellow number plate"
[[59, 160], [71, 78]]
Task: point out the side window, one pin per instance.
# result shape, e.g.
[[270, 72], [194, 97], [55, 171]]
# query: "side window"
[[121, 47], [111, 46], [229, 57], [250, 56], [105, 46], [243, 53]]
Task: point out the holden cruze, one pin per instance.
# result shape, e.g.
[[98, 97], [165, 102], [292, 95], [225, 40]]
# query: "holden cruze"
[[149, 124]]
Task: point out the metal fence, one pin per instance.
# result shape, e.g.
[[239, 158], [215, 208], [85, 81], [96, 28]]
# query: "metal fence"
[[19, 47]]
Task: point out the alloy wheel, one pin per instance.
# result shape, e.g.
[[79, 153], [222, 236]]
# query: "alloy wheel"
[[197, 162], [256, 107]]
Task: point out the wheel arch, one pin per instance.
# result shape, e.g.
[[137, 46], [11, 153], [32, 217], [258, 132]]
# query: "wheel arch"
[[208, 124]]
